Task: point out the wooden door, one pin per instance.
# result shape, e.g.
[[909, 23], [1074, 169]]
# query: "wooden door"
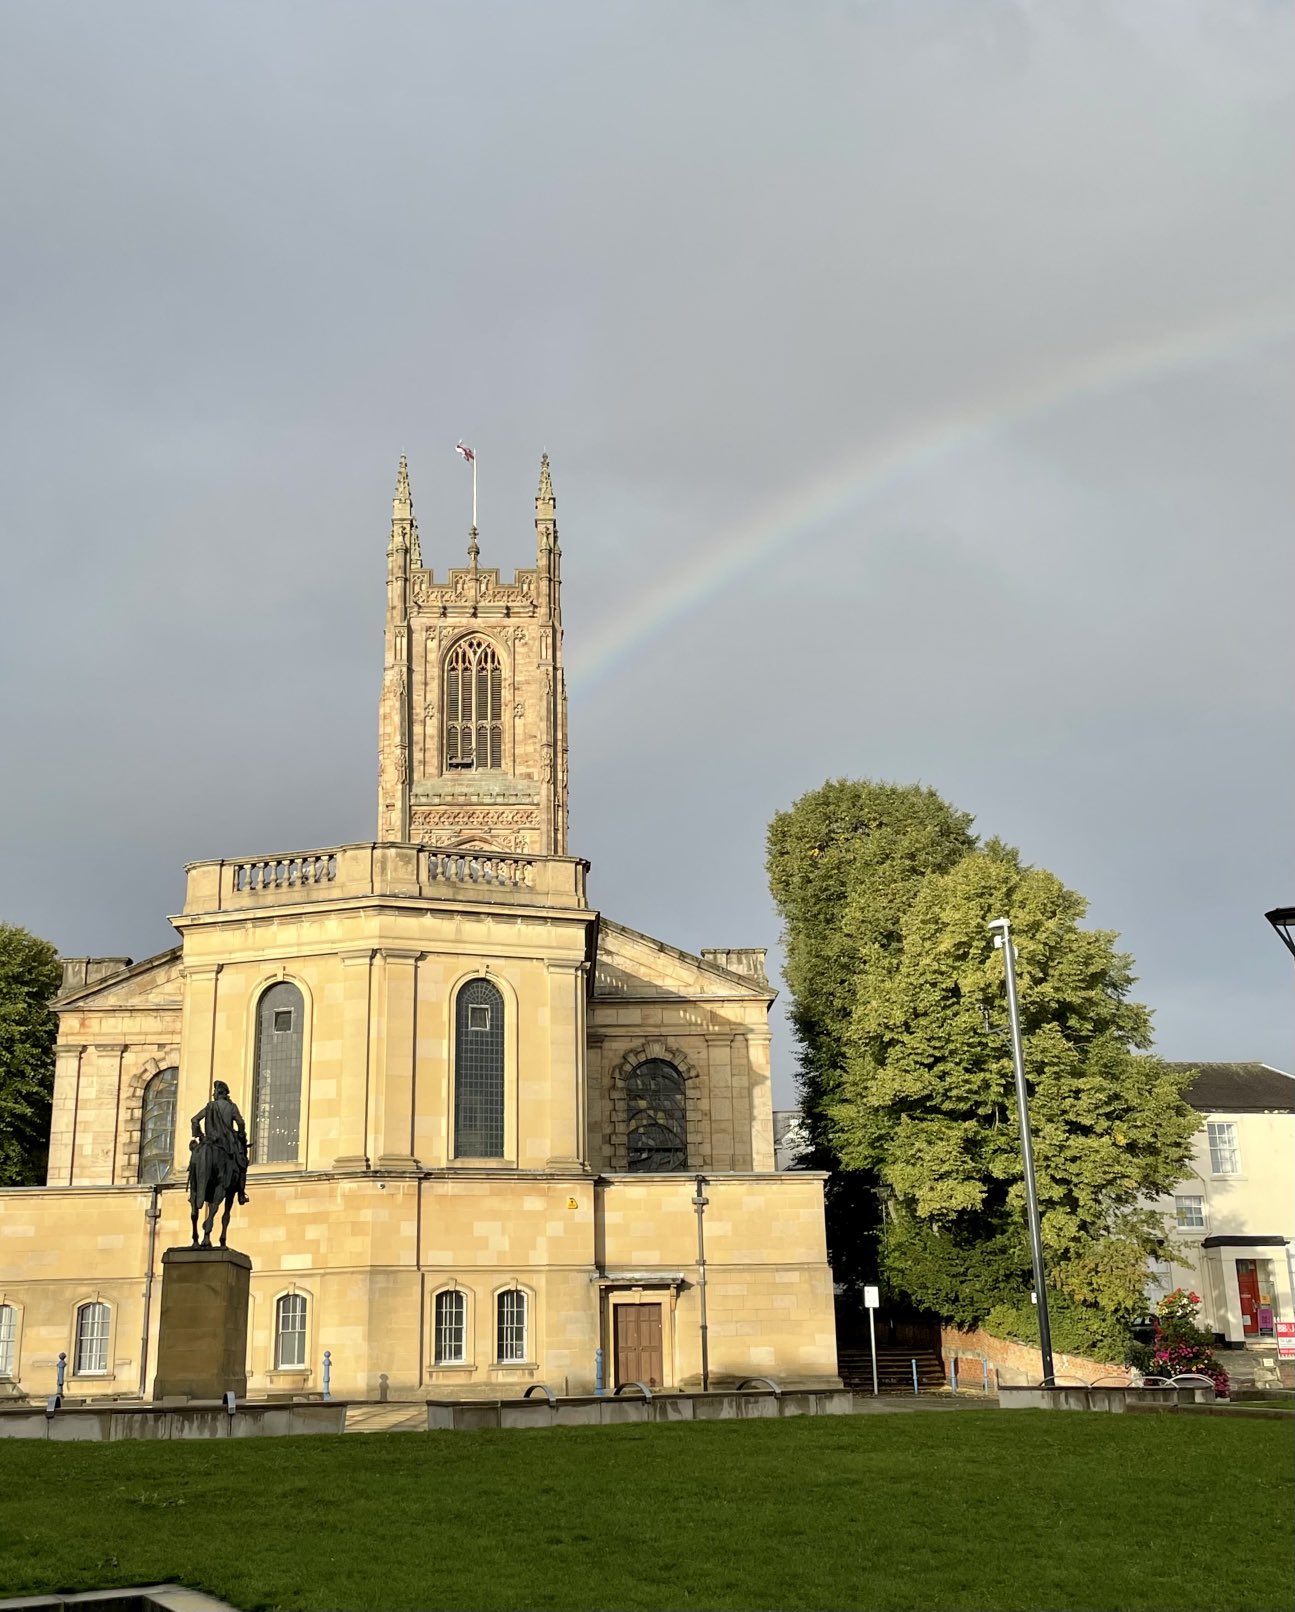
[[1248, 1287], [638, 1344]]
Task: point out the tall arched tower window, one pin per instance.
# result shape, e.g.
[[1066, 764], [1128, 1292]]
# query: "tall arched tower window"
[[656, 1124], [479, 1072], [276, 1088], [474, 704], [157, 1126]]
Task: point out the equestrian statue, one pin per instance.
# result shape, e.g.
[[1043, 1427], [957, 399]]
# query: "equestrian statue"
[[217, 1162]]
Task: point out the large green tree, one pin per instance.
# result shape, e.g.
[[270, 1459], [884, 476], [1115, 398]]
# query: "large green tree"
[[845, 864], [30, 975], [906, 1078], [928, 1100]]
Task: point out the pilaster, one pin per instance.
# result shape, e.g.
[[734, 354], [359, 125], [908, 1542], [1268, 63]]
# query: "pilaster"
[[567, 1123], [62, 1136], [197, 1054], [393, 1068], [354, 1084]]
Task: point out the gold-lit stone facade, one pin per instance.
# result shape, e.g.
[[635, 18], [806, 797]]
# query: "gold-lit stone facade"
[[437, 1272]]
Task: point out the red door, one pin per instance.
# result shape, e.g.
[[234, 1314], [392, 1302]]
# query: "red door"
[[1248, 1286]]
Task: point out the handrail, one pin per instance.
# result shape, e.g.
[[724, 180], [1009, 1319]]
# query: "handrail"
[[542, 1388], [642, 1388], [747, 1381]]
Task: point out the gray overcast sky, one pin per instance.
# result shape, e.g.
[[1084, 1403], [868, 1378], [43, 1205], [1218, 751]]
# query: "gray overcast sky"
[[918, 381]]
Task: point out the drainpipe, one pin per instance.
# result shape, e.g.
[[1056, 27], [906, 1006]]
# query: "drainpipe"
[[699, 1202], [152, 1214]]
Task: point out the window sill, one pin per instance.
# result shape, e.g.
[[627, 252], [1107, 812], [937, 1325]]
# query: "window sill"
[[283, 1373], [514, 1365], [92, 1376], [457, 1367]]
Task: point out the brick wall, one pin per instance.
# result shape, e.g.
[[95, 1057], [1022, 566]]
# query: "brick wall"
[[1016, 1363]]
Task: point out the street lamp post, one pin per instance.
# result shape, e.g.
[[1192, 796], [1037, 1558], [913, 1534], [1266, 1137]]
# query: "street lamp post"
[[699, 1202], [1002, 929]]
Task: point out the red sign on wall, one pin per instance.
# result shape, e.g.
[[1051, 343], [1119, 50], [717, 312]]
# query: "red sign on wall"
[[1286, 1340]]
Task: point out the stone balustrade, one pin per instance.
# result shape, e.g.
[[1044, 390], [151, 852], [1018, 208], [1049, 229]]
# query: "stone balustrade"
[[344, 872]]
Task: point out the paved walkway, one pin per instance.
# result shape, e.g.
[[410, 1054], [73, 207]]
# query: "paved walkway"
[[396, 1416]]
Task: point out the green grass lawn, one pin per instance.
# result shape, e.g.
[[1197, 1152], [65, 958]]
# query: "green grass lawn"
[[989, 1510]]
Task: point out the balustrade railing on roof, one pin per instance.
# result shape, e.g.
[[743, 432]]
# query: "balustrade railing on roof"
[[474, 867], [343, 872]]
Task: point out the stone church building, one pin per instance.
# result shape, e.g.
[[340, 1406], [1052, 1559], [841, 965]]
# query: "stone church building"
[[478, 1108]]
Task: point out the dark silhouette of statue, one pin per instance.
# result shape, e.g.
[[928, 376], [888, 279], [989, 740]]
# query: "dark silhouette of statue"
[[217, 1162]]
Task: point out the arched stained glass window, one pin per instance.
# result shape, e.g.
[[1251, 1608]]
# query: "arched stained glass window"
[[479, 1072], [276, 1088], [157, 1126], [474, 701], [656, 1122]]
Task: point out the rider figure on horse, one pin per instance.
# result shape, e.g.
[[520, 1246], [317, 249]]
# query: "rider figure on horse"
[[219, 1141]]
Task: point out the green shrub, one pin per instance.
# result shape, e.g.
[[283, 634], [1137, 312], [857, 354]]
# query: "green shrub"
[[1077, 1329]]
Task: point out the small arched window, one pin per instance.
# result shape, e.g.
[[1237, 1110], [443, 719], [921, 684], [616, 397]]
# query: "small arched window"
[[479, 1072], [8, 1337], [656, 1122], [290, 1332], [157, 1126], [510, 1328], [276, 1089], [90, 1357], [474, 704], [451, 1318]]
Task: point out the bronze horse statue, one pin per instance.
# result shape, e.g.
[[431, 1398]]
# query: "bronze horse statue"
[[217, 1163]]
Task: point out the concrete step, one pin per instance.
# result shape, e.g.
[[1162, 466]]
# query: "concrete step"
[[396, 1416]]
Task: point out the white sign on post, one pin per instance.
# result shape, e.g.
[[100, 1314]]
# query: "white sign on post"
[[872, 1303]]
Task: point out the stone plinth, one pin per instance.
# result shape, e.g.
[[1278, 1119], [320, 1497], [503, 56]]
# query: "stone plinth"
[[202, 1334]]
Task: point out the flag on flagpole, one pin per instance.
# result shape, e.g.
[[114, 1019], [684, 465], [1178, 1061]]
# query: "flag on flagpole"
[[466, 452]]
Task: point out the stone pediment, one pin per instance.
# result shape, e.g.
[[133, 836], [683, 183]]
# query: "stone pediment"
[[631, 964], [156, 982]]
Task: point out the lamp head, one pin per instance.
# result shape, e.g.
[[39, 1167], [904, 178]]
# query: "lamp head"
[[1283, 921]]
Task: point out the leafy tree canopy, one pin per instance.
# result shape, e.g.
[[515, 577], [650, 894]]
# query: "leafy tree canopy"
[[30, 975], [907, 1064], [845, 864]]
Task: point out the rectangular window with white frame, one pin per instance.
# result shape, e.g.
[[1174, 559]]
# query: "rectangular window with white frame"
[[1225, 1156], [290, 1333], [90, 1357], [8, 1337], [451, 1317], [1189, 1211], [511, 1331]]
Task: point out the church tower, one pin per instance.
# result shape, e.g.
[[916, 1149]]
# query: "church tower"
[[472, 722]]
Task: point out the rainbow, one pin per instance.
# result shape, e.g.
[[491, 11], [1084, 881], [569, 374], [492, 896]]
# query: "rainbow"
[[806, 509]]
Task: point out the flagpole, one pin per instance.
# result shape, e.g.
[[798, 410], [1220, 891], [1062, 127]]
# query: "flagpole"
[[474, 491]]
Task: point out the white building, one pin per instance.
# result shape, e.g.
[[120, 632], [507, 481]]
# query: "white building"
[[1233, 1217]]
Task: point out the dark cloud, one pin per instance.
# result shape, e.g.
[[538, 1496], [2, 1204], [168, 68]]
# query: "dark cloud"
[[703, 254]]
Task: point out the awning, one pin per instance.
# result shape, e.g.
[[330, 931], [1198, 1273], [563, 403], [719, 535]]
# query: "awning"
[[1244, 1242]]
